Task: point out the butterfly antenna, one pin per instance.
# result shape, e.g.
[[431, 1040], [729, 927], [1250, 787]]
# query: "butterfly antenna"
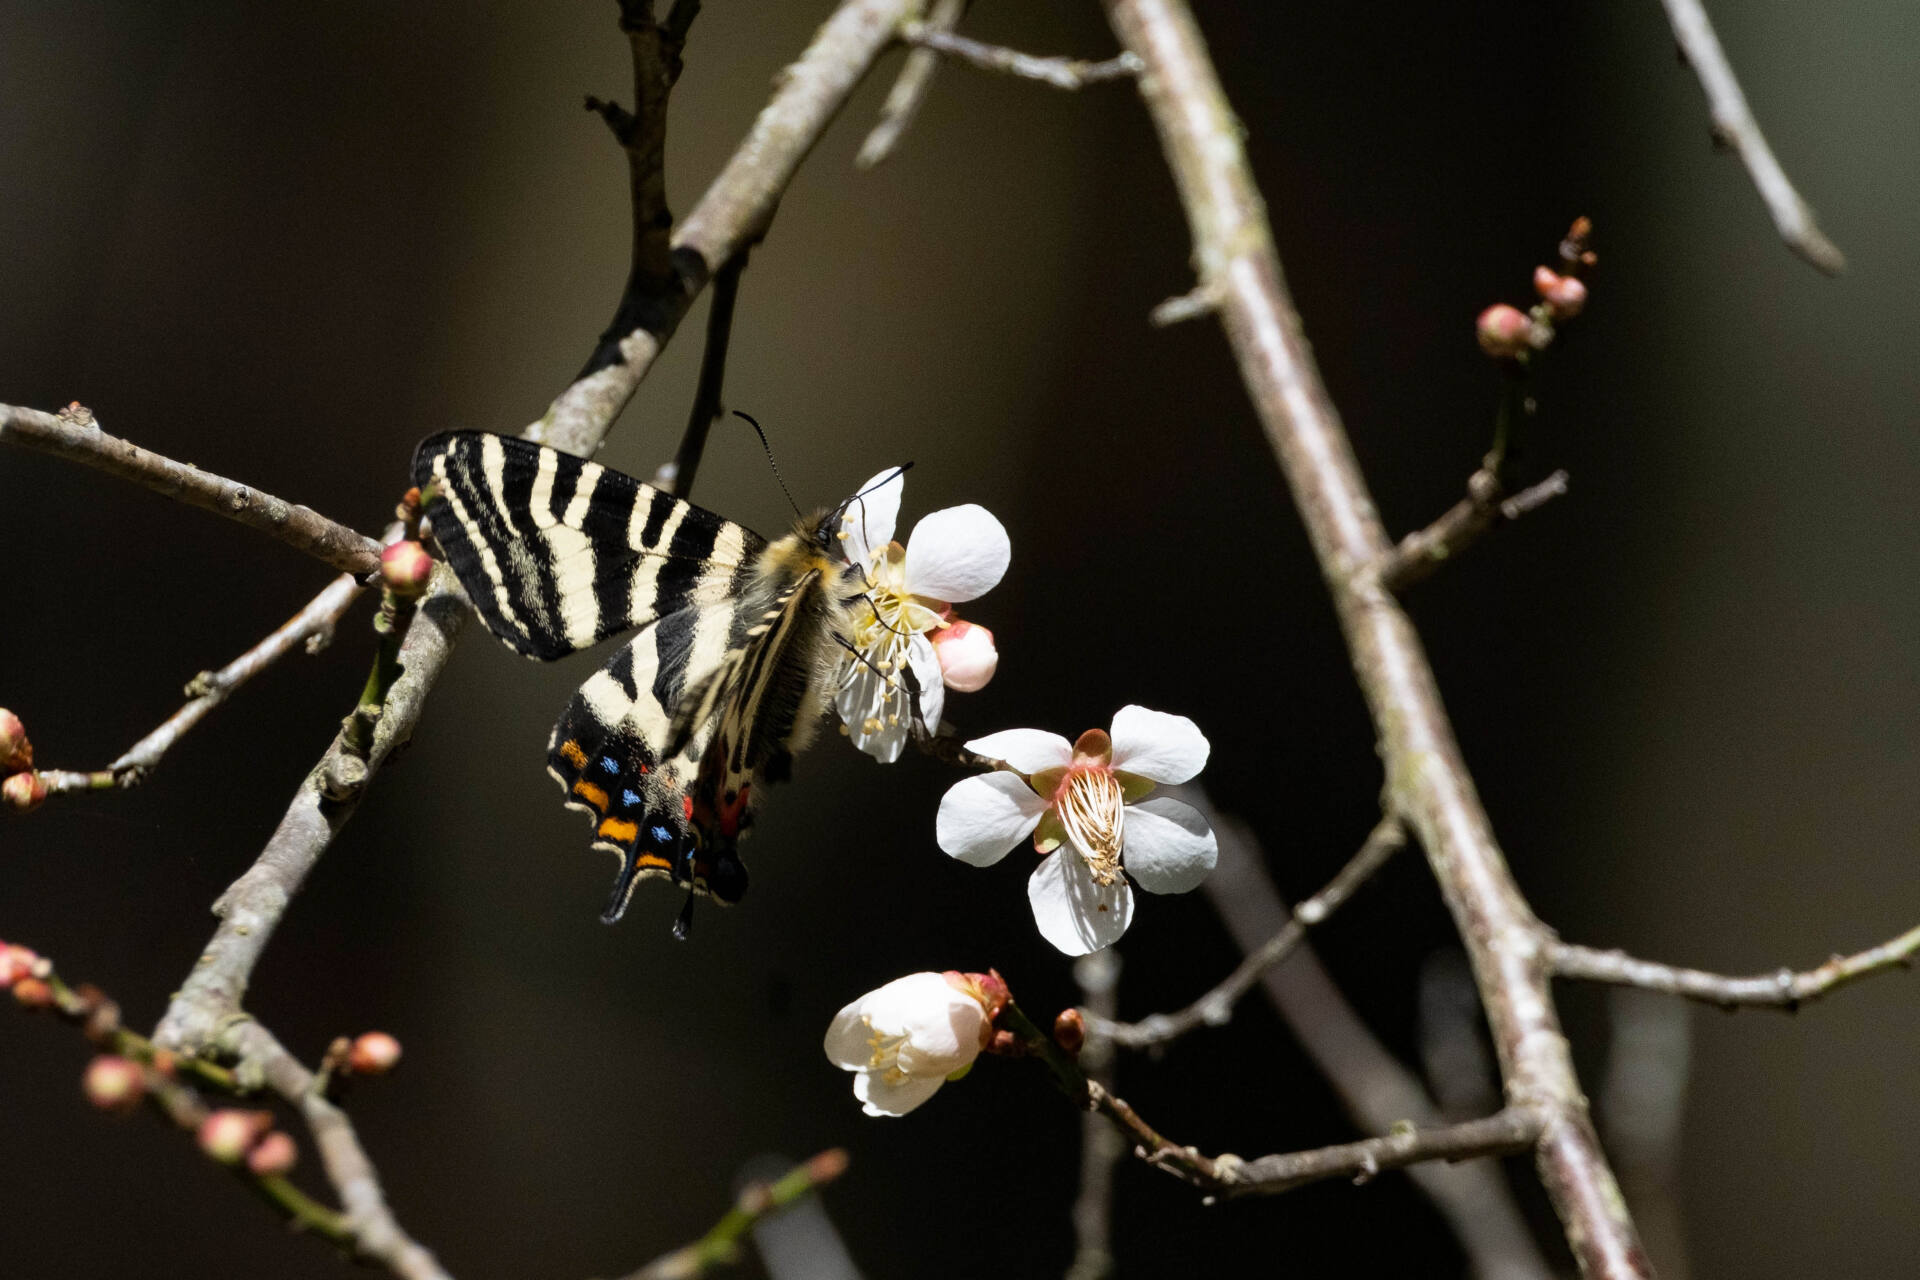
[[778, 479]]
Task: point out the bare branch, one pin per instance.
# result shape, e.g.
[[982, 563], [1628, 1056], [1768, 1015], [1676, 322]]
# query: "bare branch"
[[909, 88], [677, 476], [211, 688], [1783, 989], [1061, 73], [1215, 1008], [76, 436], [1429, 785], [734, 213], [758, 1201], [1098, 977], [1486, 507], [1734, 126]]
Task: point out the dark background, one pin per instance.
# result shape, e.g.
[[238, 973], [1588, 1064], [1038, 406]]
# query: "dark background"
[[286, 243]]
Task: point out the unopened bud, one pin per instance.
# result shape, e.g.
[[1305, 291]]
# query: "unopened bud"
[[114, 1083], [405, 568], [16, 962], [15, 751], [229, 1134], [1564, 295], [967, 656], [1007, 1044], [827, 1165], [1504, 331], [373, 1054], [275, 1153], [33, 993], [23, 792], [1070, 1030]]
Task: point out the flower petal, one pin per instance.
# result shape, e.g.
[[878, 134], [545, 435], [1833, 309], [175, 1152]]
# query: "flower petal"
[[1075, 912], [884, 1097], [847, 1042], [983, 817], [957, 554], [904, 1003], [1158, 746], [1028, 750], [1169, 846], [925, 661], [869, 518], [878, 714]]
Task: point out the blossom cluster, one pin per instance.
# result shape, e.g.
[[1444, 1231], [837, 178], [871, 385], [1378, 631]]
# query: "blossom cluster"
[[21, 789]]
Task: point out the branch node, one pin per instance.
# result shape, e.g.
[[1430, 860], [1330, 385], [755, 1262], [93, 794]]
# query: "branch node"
[[1203, 299]]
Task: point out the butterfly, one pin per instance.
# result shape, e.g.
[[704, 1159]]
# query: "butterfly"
[[739, 646]]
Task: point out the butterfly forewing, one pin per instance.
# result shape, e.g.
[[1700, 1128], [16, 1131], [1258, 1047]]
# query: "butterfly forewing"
[[662, 746]]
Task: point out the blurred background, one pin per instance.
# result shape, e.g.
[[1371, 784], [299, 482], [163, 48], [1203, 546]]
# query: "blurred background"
[[287, 243]]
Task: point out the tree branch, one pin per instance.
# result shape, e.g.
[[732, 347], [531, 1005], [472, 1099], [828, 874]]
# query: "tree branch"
[[677, 477], [314, 623], [1734, 126], [76, 436], [758, 1201], [1061, 73], [1783, 989], [909, 88], [1486, 507], [1215, 1008], [1427, 780], [734, 213]]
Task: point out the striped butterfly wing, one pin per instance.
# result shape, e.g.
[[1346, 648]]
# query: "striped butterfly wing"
[[558, 553]]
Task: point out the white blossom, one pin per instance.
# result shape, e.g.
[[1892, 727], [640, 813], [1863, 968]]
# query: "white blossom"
[[908, 1038], [952, 556], [1086, 806]]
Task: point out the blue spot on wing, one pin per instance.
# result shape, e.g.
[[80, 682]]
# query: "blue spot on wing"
[[609, 764], [662, 835], [630, 798]]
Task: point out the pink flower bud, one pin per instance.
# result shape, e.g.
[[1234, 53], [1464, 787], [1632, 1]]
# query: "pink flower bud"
[[23, 792], [1564, 295], [373, 1054], [1504, 331], [406, 568], [274, 1154], [15, 751], [967, 656], [33, 993], [229, 1134], [16, 962], [1070, 1030], [112, 1083]]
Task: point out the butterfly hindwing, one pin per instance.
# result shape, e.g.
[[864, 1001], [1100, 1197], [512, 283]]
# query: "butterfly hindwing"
[[728, 676], [558, 553]]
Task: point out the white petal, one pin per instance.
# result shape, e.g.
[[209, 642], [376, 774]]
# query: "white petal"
[[862, 697], [940, 1047], [1075, 912], [898, 1007], [894, 1099], [871, 516], [847, 1041], [983, 817], [1158, 746], [925, 661], [957, 554], [1169, 846], [1028, 750]]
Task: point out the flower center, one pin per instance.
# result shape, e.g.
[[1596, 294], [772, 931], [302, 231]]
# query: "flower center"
[[1093, 810], [885, 1058]]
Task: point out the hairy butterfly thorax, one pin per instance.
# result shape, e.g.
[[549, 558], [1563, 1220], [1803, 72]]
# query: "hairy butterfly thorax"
[[733, 666]]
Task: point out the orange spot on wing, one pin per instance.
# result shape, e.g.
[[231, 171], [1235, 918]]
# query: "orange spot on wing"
[[571, 752], [591, 794], [615, 829], [654, 860]]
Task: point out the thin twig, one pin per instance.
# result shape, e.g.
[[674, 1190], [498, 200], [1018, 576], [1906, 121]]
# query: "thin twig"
[[1486, 507], [1783, 989], [909, 88], [734, 213], [1062, 73], [760, 1200], [211, 688], [1098, 977], [1375, 1089], [1428, 783], [1215, 1008], [707, 396], [1734, 126], [76, 436]]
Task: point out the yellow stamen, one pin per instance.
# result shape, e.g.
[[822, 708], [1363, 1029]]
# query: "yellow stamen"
[[1093, 811]]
